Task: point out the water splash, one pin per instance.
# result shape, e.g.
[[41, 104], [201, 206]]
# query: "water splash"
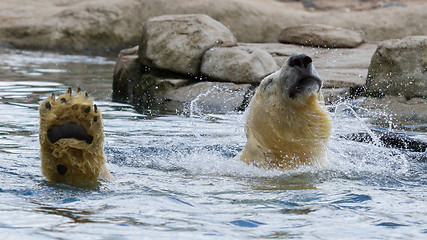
[[359, 157], [196, 111], [343, 107]]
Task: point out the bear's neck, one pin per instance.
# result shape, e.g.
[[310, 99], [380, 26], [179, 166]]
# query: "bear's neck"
[[293, 133]]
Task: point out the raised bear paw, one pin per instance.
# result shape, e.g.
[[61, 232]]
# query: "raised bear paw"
[[71, 139]]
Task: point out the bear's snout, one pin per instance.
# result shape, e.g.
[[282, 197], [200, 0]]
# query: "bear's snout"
[[301, 77], [302, 61]]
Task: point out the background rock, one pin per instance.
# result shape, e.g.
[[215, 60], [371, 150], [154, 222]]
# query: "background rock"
[[321, 36], [238, 64], [399, 67], [127, 72], [144, 86], [136, 83], [105, 27], [178, 42]]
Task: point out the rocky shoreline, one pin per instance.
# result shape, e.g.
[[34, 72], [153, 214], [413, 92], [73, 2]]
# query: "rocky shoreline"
[[178, 61]]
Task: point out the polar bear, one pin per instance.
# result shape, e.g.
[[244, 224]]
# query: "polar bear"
[[287, 124], [71, 139]]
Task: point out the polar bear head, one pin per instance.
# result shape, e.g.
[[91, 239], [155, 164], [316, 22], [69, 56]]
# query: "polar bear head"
[[287, 124], [296, 79]]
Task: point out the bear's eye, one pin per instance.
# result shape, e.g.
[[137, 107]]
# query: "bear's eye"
[[86, 110], [48, 106], [63, 100]]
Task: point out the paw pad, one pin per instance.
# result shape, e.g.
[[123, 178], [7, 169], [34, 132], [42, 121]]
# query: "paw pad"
[[71, 138], [70, 116], [62, 169]]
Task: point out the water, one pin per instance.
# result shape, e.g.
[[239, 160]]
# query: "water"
[[179, 177]]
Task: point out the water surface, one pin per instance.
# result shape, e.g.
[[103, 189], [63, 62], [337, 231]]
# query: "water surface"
[[179, 177]]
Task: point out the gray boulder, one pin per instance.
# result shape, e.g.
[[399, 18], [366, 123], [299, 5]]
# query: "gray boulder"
[[177, 42], [136, 83], [238, 64], [399, 67], [321, 36]]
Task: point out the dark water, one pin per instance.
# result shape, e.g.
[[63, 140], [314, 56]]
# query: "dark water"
[[179, 177]]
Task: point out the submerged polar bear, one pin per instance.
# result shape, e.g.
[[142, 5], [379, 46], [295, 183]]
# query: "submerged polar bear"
[[287, 125], [71, 139]]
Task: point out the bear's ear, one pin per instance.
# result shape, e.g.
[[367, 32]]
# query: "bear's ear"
[[268, 81]]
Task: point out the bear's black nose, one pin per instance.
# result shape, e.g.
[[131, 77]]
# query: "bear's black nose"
[[300, 61]]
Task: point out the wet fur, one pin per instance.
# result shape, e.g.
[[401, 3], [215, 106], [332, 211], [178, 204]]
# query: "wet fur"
[[284, 131], [69, 160]]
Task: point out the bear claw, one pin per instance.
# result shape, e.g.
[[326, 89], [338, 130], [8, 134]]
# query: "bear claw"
[[71, 139]]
